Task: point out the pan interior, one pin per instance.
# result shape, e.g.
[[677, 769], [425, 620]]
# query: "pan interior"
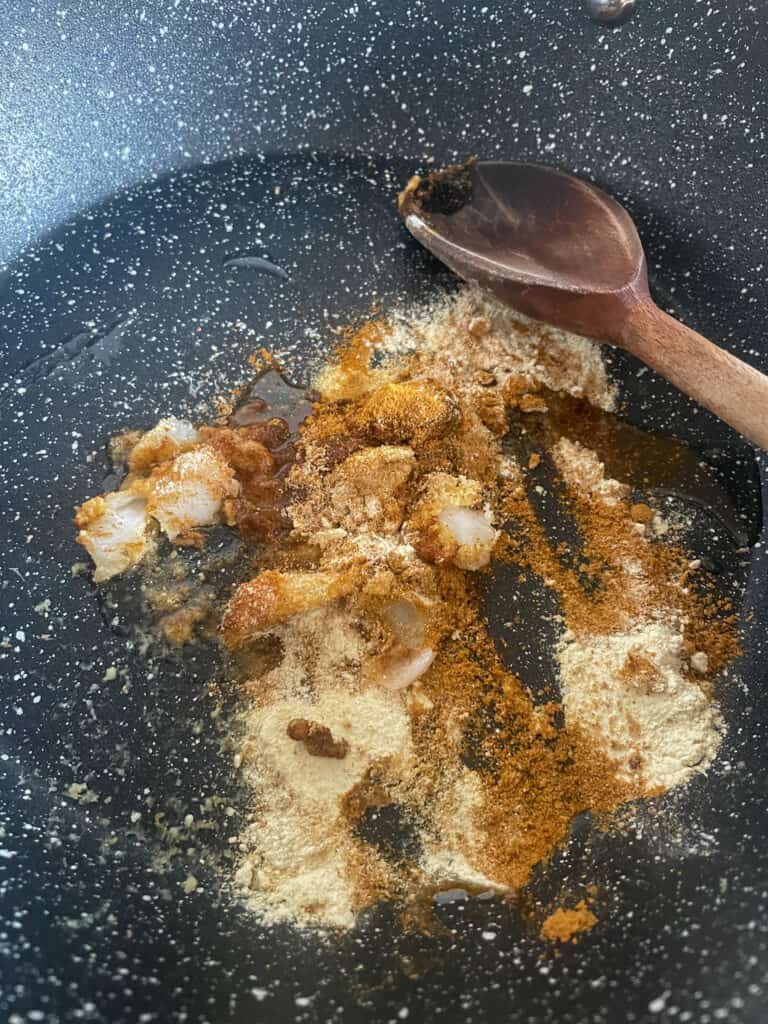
[[148, 306]]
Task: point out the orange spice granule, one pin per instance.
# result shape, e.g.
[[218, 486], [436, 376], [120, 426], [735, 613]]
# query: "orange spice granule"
[[564, 925]]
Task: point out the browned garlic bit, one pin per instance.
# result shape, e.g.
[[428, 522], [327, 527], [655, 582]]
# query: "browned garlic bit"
[[273, 597], [317, 739], [189, 491]]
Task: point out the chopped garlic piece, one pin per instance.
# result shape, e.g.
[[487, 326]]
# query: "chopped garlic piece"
[[400, 667], [113, 532], [448, 524], [189, 491], [700, 662], [406, 622], [164, 441], [473, 533]]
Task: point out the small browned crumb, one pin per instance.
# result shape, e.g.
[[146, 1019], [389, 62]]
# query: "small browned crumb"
[[641, 513], [298, 729], [534, 460], [190, 539], [492, 411], [565, 925], [121, 446], [531, 403], [317, 739]]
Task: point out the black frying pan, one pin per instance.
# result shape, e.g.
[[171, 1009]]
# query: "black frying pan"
[[120, 311]]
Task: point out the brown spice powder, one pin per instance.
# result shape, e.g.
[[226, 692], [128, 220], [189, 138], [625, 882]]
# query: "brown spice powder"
[[534, 773], [610, 545]]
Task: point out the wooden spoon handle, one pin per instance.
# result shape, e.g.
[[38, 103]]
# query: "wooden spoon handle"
[[731, 389]]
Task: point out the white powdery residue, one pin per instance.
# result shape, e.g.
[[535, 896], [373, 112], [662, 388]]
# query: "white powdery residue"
[[448, 854], [470, 330], [317, 644], [583, 471], [295, 867], [377, 549], [637, 588], [629, 692], [509, 469], [444, 865]]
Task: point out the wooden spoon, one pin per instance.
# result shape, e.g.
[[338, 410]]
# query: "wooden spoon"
[[562, 251]]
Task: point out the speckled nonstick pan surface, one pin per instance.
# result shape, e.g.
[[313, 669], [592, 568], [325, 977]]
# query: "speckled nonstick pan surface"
[[121, 312]]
